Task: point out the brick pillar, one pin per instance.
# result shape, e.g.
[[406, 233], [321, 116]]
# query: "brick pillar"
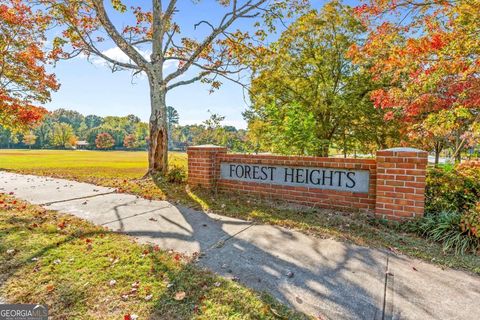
[[202, 165], [400, 190]]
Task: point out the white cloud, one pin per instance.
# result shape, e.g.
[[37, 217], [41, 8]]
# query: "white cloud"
[[117, 54]]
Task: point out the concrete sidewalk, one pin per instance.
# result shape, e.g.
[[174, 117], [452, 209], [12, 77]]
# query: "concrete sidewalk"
[[321, 277]]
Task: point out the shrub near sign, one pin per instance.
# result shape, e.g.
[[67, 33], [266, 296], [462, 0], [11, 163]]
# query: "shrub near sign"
[[321, 178]]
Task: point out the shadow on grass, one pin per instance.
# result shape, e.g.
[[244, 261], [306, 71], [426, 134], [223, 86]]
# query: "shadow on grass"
[[208, 296], [358, 228]]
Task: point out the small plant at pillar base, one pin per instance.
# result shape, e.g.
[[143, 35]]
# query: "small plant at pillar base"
[[176, 174]]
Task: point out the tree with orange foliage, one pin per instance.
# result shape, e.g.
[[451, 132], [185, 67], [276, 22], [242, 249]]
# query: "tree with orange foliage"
[[427, 54], [24, 80]]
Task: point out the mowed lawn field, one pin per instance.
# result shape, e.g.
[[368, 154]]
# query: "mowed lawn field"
[[123, 170], [112, 164]]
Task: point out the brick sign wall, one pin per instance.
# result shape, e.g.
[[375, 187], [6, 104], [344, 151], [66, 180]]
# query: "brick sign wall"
[[392, 185]]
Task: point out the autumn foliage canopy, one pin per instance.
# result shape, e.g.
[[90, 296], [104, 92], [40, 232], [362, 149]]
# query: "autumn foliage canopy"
[[425, 53], [24, 80]]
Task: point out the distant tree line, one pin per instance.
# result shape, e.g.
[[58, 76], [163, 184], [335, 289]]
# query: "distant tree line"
[[63, 129], [210, 131], [69, 129]]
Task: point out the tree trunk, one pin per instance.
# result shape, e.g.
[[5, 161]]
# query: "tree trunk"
[[438, 148], [458, 157], [158, 139]]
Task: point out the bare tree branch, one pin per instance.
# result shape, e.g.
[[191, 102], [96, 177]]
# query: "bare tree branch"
[[185, 82], [224, 24], [123, 44]]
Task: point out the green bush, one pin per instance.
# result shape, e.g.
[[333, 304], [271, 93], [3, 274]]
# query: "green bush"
[[471, 221], [455, 189], [446, 228], [176, 174]]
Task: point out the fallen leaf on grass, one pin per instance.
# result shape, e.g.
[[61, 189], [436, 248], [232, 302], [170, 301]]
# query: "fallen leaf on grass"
[[179, 296], [275, 312]]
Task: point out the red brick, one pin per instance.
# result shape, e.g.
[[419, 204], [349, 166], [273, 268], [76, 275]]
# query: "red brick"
[[404, 190]]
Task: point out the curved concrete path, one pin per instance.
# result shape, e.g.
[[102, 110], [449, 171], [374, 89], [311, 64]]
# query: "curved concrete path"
[[321, 277]]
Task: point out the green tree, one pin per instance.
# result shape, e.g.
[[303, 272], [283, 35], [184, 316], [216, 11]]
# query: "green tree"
[[172, 116], [172, 120], [213, 132], [62, 135], [82, 131], [307, 94], [44, 131], [141, 133], [93, 121], [72, 117], [29, 140]]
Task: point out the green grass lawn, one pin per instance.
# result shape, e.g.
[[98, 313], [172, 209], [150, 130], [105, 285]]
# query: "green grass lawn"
[[82, 271], [105, 164], [123, 170]]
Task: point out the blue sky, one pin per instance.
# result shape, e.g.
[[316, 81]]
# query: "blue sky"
[[91, 88]]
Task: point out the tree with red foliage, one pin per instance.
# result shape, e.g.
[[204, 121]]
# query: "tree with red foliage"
[[24, 80], [130, 141], [104, 141], [426, 54]]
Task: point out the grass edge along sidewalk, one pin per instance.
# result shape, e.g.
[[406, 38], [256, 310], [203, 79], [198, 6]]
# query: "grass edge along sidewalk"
[[82, 271], [121, 170]]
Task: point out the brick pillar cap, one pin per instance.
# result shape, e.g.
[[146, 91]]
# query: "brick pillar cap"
[[403, 149], [207, 146]]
